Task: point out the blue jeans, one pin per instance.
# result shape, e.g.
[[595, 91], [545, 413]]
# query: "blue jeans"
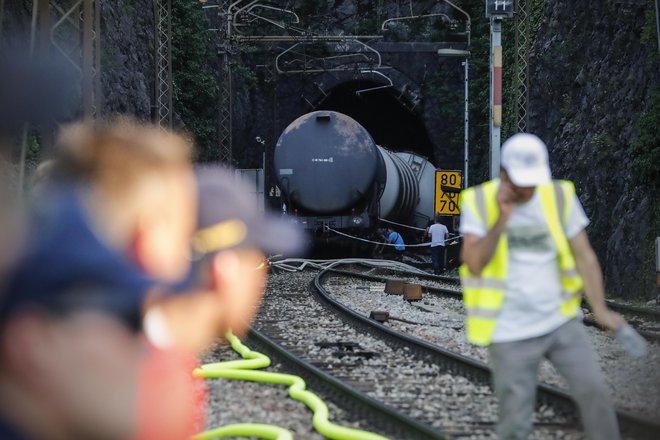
[[438, 258]]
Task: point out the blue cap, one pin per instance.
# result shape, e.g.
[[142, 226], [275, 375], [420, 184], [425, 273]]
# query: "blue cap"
[[65, 265], [228, 217]]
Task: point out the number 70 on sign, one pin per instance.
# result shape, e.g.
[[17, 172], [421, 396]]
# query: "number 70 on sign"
[[447, 192]]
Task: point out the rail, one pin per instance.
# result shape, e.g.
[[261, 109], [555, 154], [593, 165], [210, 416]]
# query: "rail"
[[391, 420]]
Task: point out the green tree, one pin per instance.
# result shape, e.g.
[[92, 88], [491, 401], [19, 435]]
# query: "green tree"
[[479, 83], [195, 84]]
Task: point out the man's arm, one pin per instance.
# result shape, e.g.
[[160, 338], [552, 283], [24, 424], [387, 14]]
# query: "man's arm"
[[589, 268], [478, 251]]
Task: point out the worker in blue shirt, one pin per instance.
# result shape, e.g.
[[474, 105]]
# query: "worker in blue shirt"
[[396, 239]]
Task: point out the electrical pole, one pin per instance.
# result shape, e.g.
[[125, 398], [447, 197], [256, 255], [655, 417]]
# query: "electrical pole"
[[466, 96], [91, 58], [163, 31], [225, 89]]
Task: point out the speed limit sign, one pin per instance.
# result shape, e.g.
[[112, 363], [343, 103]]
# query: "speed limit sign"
[[447, 192]]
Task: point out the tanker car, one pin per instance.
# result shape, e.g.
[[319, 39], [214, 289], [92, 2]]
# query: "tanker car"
[[333, 175]]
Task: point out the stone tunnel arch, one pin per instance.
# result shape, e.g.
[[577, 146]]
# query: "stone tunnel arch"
[[384, 112]]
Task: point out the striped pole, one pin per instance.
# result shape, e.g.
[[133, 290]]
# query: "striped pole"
[[495, 107], [497, 86]]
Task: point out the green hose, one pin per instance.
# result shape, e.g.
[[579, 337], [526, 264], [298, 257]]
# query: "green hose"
[[268, 432], [244, 370]]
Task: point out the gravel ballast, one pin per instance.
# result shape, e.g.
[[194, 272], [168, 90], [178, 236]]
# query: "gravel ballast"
[[453, 404], [447, 402], [634, 383]]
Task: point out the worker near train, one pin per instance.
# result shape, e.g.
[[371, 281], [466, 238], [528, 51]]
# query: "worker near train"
[[395, 240], [526, 261], [438, 233]]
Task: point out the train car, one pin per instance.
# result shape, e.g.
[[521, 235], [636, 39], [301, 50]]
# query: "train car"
[[332, 175]]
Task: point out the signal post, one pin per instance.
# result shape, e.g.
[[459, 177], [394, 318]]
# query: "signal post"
[[496, 10]]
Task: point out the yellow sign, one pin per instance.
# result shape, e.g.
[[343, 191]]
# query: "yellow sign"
[[447, 192]]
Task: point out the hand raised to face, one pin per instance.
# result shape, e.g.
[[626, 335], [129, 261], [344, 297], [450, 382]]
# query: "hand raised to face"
[[505, 199]]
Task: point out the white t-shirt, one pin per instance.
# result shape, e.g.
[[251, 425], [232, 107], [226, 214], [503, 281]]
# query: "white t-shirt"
[[438, 232], [532, 297]]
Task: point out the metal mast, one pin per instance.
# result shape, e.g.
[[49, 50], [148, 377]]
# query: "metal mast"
[[521, 66], [163, 86], [225, 89], [84, 18]]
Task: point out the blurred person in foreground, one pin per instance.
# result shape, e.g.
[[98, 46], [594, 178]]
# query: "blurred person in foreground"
[[139, 191], [227, 280], [141, 194], [526, 261], [119, 199], [70, 339], [36, 89], [134, 184], [231, 244]]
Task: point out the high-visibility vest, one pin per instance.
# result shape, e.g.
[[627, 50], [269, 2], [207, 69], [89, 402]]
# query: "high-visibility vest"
[[483, 294]]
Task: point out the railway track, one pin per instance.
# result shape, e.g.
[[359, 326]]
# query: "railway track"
[[633, 426], [385, 420], [298, 330], [645, 320], [445, 391]]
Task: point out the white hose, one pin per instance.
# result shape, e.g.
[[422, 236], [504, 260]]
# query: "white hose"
[[300, 264]]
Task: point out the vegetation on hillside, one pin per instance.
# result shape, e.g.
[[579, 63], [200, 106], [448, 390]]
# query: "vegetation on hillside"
[[195, 84]]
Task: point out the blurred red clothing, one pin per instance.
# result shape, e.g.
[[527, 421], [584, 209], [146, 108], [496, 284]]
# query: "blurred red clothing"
[[171, 402]]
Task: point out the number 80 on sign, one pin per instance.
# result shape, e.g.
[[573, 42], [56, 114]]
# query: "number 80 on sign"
[[447, 192]]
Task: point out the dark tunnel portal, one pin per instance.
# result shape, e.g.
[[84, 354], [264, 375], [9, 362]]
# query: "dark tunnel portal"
[[389, 122]]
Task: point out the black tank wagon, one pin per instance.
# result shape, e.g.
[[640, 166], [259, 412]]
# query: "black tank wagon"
[[332, 174]]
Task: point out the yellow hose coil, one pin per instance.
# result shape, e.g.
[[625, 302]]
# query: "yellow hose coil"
[[245, 370]]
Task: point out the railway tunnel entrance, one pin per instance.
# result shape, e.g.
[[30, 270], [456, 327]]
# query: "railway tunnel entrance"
[[383, 113]]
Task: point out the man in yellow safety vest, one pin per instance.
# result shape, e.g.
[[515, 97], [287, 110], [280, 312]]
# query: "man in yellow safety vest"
[[526, 261]]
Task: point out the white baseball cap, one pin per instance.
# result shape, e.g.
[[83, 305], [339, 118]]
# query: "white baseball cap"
[[525, 159]]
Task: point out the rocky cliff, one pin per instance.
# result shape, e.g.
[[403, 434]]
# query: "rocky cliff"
[[127, 51], [127, 57], [592, 76]]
